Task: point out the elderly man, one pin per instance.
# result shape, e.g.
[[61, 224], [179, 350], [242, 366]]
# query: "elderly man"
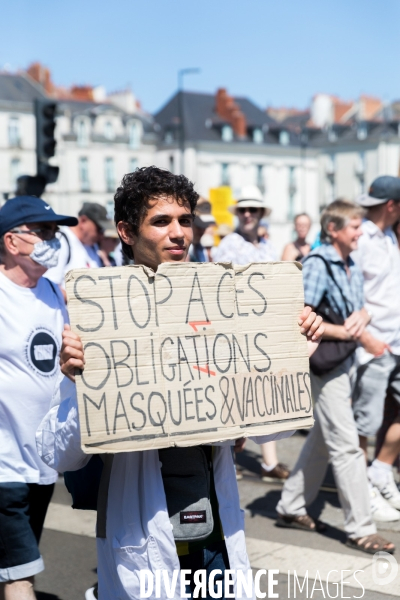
[[333, 284], [154, 211], [32, 318]]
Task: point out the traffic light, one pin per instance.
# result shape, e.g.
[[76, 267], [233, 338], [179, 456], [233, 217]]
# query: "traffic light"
[[45, 112]]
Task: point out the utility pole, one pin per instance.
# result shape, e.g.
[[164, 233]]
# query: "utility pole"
[[303, 162], [181, 113]]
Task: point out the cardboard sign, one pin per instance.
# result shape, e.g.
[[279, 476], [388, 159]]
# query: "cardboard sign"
[[191, 354]]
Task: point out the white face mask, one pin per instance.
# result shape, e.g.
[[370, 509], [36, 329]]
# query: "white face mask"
[[46, 253]]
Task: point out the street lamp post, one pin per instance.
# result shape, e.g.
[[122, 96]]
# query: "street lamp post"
[[181, 74], [303, 151]]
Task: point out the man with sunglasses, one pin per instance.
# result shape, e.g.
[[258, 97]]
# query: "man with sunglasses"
[[244, 245], [79, 243], [32, 318]]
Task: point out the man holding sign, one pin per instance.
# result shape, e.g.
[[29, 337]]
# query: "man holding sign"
[[169, 508]]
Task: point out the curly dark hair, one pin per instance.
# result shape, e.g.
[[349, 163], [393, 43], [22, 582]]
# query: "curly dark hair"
[[132, 197]]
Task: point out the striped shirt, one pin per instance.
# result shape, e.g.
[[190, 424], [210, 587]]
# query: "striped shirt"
[[317, 281]]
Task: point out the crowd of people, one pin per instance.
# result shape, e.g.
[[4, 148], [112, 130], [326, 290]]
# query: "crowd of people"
[[351, 320]]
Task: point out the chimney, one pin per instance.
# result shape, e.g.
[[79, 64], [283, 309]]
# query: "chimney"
[[84, 93], [239, 123], [370, 107], [229, 111], [220, 101], [42, 76], [124, 99]]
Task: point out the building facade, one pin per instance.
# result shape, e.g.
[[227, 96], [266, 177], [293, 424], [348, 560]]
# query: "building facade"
[[300, 160], [230, 141], [97, 143]]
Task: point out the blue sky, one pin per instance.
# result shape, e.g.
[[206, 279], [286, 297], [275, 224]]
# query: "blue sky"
[[274, 52]]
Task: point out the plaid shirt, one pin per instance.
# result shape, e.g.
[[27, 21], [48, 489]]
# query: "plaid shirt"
[[316, 281]]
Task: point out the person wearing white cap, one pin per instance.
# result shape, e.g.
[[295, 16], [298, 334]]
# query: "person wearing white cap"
[[378, 257], [244, 245]]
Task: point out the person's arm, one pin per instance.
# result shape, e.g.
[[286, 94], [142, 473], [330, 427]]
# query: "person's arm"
[[58, 438], [71, 355], [289, 252], [352, 329], [372, 344], [312, 326], [337, 332], [356, 323]]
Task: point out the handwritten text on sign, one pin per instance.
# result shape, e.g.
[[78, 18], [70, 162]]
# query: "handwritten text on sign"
[[191, 354]]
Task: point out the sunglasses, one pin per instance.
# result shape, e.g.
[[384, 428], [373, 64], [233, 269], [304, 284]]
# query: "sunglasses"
[[250, 209], [42, 233]]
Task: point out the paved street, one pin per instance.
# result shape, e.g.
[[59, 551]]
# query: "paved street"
[[68, 543]]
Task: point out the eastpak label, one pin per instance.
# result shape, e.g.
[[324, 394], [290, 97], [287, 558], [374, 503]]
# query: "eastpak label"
[[193, 516]]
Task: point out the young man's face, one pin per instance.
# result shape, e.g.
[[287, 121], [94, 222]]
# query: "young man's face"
[[164, 235]]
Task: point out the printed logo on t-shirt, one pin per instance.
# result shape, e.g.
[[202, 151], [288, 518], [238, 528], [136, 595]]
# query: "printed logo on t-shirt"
[[42, 352]]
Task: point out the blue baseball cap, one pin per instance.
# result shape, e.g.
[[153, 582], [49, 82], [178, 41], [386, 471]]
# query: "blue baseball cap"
[[29, 209], [381, 190]]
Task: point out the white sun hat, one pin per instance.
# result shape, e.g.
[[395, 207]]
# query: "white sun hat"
[[250, 196]]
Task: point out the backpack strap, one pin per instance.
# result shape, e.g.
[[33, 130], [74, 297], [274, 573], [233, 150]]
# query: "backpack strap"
[[330, 273], [102, 498]]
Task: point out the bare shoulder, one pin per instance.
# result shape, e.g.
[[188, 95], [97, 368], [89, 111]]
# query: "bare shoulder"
[[290, 252]]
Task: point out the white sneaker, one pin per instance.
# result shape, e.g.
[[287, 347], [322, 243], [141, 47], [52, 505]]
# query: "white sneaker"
[[389, 490], [380, 508]]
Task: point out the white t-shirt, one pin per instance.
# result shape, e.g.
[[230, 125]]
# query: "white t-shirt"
[[378, 257], [31, 323], [73, 255], [234, 248]]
